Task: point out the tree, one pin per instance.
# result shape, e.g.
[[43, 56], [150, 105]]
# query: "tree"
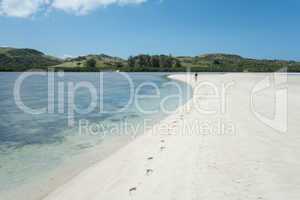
[[119, 64], [144, 60], [217, 62], [166, 61], [178, 63], [91, 63], [155, 62], [131, 61]]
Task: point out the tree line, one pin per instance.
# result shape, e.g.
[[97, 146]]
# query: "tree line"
[[155, 61]]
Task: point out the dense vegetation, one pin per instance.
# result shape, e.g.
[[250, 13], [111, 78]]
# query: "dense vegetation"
[[235, 63], [156, 61], [24, 59]]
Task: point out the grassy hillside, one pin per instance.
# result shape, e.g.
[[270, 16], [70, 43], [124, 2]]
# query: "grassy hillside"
[[209, 60], [12, 59], [102, 62], [235, 63]]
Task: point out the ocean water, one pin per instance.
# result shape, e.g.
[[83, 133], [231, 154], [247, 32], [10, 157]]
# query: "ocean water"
[[32, 146]]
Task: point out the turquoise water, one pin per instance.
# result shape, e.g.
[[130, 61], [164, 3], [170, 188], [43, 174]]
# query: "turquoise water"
[[33, 146]]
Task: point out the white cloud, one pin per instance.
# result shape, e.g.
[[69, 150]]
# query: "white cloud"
[[84, 6], [20, 8], [27, 8]]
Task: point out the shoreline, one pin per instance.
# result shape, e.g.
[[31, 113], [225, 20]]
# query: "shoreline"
[[41, 187], [175, 160], [130, 143]]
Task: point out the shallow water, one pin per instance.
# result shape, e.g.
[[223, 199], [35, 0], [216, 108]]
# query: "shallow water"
[[32, 146]]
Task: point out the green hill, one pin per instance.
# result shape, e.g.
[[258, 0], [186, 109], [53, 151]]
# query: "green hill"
[[12, 59], [102, 62], [235, 63]]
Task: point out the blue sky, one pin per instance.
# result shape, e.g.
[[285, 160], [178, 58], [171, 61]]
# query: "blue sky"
[[256, 28]]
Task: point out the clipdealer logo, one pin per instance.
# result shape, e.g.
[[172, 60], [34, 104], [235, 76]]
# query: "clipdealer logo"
[[278, 83]]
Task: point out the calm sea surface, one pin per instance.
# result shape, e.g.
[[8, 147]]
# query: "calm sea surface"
[[33, 146]]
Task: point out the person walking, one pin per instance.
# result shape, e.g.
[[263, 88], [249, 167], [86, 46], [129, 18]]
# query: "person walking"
[[196, 76]]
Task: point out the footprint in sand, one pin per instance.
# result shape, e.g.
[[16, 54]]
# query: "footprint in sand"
[[131, 190], [162, 148], [149, 172], [150, 158]]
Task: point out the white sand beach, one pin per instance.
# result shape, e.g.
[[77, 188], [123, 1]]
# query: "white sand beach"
[[230, 154]]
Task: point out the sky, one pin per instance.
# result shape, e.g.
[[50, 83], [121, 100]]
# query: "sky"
[[251, 28]]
